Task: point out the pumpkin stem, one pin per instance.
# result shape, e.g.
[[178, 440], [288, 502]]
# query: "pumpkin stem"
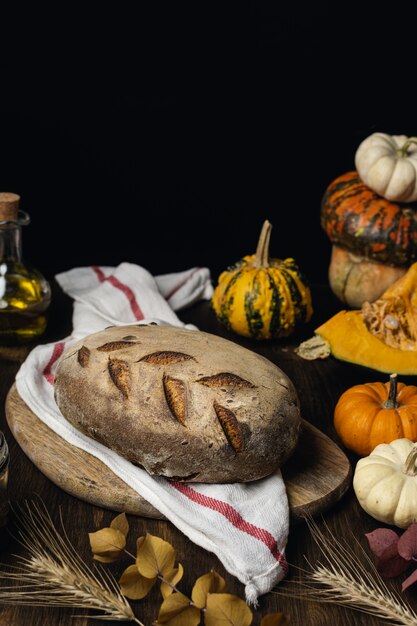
[[403, 151], [262, 251], [392, 403], [410, 462]]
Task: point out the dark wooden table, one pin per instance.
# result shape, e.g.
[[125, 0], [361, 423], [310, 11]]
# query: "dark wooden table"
[[319, 385]]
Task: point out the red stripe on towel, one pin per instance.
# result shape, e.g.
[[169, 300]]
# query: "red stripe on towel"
[[99, 272], [136, 310], [181, 284], [56, 353], [234, 518]]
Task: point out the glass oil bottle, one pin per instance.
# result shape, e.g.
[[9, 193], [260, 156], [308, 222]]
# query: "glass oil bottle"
[[24, 293]]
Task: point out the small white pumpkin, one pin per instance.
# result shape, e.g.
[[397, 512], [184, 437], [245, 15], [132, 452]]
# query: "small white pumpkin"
[[385, 483], [387, 164]]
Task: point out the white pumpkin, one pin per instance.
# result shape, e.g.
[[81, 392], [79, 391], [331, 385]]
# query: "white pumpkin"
[[387, 164], [385, 483]]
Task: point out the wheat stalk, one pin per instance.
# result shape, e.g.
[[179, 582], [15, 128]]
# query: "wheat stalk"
[[342, 580], [53, 574]]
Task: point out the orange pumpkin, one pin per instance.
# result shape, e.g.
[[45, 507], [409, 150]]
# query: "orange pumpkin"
[[373, 413]]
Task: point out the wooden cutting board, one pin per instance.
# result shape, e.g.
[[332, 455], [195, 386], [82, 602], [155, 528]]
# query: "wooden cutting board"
[[316, 476]]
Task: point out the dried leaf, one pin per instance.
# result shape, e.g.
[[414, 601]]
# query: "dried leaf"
[[171, 579], [224, 609], [390, 563], [133, 585], [409, 581], [50, 572], [384, 544], [154, 556], [176, 611], [120, 523], [380, 539], [407, 543], [211, 582], [275, 619], [341, 577], [107, 544]]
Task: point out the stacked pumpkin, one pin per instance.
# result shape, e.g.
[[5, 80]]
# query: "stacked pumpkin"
[[380, 421], [370, 216]]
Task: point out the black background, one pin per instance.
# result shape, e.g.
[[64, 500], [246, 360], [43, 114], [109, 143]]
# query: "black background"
[[166, 139]]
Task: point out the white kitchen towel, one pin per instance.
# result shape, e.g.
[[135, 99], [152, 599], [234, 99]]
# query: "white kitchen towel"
[[244, 524]]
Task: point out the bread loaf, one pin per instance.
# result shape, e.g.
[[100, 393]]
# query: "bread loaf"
[[180, 403]]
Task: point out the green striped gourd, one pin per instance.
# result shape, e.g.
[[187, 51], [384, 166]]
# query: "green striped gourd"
[[260, 297]]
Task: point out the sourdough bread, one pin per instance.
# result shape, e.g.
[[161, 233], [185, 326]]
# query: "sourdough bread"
[[183, 404]]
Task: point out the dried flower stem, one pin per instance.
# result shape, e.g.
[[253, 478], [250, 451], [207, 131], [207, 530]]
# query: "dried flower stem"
[[342, 579], [55, 575]]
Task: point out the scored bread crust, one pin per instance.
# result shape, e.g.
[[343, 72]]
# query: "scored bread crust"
[[183, 404]]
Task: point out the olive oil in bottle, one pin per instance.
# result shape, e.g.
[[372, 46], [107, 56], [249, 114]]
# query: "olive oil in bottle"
[[24, 293]]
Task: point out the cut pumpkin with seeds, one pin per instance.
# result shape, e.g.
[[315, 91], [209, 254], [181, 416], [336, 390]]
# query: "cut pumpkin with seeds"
[[381, 335]]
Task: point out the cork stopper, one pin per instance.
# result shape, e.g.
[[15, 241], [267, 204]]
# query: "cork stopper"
[[9, 206]]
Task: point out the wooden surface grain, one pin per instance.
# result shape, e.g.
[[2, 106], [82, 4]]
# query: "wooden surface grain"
[[319, 385]]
